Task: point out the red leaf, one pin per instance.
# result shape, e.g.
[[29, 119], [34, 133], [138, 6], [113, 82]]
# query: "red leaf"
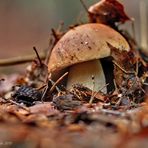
[[108, 12]]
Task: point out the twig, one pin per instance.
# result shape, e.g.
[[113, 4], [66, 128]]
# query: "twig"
[[60, 79], [145, 84], [133, 28], [60, 27], [119, 101], [45, 91], [84, 5], [115, 85], [104, 86], [127, 72], [100, 89], [19, 105], [95, 93], [81, 92], [137, 68], [75, 92], [52, 82], [55, 35], [40, 61], [92, 95], [20, 59], [51, 45], [40, 88]]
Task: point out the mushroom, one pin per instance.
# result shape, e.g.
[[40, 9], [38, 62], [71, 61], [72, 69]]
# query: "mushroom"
[[80, 49]]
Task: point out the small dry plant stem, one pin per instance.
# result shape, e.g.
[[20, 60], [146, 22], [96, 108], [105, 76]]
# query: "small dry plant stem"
[[51, 45], [44, 93], [95, 93], [137, 69], [101, 89], [17, 104], [59, 80], [84, 5], [127, 72], [133, 28], [20, 59], [54, 34], [92, 95], [38, 57], [115, 84], [52, 82], [40, 88]]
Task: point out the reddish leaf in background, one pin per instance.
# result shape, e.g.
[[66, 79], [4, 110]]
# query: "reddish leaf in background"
[[108, 12]]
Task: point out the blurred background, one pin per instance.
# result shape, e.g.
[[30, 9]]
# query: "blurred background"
[[27, 23]]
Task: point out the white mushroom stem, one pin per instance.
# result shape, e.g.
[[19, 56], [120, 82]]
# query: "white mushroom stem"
[[82, 74]]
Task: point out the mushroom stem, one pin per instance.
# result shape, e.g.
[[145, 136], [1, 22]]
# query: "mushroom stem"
[[82, 74]]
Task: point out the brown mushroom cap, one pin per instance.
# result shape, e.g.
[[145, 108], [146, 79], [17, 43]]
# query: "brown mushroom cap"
[[84, 43]]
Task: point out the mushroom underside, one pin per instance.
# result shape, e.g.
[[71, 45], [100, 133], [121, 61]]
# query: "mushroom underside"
[[90, 74]]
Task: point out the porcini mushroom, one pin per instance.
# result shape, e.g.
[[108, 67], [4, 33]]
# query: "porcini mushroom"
[[80, 49]]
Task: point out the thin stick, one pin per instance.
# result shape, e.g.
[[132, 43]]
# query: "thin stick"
[[51, 44], [127, 72], [95, 93], [133, 28], [19, 105], [115, 84], [60, 27], [119, 101], [75, 92], [84, 5], [100, 89], [92, 95], [137, 68], [60, 79], [40, 61], [20, 59], [104, 86], [52, 82], [40, 88], [44, 93], [145, 84], [54, 34]]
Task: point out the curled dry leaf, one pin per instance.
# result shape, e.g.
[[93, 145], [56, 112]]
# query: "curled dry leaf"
[[108, 12]]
